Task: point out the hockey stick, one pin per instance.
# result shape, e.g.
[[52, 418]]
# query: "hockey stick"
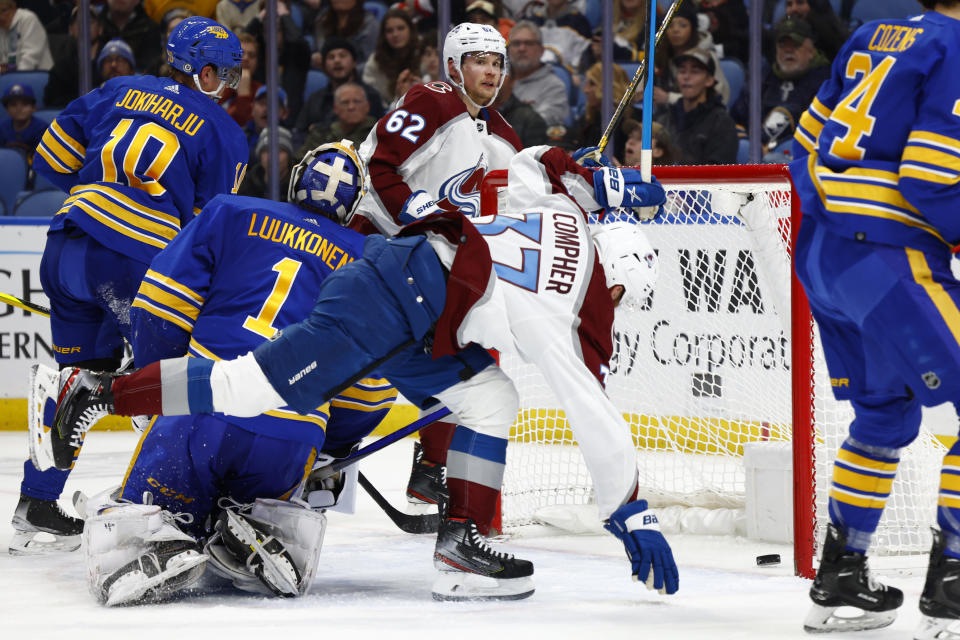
[[637, 77], [646, 148], [389, 439], [428, 523], [23, 304]]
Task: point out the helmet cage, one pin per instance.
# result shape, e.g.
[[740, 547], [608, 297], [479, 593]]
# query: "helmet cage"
[[305, 182]]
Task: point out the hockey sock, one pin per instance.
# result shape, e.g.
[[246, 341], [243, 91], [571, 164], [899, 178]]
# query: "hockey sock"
[[177, 386], [862, 477], [435, 441], [948, 503], [475, 463]]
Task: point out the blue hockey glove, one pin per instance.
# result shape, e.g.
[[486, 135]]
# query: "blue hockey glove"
[[590, 157], [625, 188], [418, 205], [650, 556]]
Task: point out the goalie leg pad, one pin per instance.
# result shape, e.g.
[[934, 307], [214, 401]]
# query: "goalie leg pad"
[[136, 553], [277, 542], [41, 406]]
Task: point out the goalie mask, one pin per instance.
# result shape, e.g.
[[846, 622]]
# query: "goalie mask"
[[627, 259], [330, 180], [469, 38]]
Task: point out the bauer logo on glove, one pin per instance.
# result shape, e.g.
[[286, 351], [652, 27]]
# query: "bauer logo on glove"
[[615, 188]]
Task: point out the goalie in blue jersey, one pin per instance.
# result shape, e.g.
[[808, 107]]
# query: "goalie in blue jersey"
[[878, 175], [139, 156]]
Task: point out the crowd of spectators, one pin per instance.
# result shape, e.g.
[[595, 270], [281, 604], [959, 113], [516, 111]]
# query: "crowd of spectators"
[[360, 56]]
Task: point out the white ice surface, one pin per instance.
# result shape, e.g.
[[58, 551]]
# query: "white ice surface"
[[374, 582]]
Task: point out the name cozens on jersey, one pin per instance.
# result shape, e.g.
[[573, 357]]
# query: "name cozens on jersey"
[[175, 114], [298, 239], [892, 38], [563, 269]]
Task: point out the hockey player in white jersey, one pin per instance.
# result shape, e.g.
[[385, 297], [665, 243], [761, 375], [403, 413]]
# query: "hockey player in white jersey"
[[433, 150], [538, 283]]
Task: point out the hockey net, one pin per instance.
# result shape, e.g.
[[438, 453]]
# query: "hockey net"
[[707, 366]]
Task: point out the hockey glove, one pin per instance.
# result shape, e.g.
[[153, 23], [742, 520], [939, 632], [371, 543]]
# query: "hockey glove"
[[625, 188], [418, 205], [590, 157], [649, 553]]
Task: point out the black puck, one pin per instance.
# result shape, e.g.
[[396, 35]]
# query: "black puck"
[[768, 560]]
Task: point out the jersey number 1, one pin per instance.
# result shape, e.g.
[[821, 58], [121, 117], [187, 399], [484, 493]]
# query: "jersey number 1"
[[263, 324]]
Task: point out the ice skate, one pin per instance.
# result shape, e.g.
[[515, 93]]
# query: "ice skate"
[[33, 518], [427, 485], [84, 398], [168, 567], [844, 580], [940, 600], [471, 570]]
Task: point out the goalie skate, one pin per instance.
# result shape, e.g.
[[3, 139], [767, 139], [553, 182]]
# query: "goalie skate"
[[168, 567], [36, 521], [471, 570], [265, 555], [845, 596], [41, 406]]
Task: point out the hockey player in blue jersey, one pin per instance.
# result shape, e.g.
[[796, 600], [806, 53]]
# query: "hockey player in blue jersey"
[[246, 268], [877, 170], [139, 156]]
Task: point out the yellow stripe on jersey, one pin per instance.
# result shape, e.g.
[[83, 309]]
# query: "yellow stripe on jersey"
[[169, 300], [170, 283], [949, 501], [856, 460], [107, 221], [927, 174], [202, 350], [861, 482], [940, 298], [162, 313], [50, 144], [75, 146], [935, 139], [950, 482], [857, 500], [156, 214], [52, 160], [951, 462], [819, 109]]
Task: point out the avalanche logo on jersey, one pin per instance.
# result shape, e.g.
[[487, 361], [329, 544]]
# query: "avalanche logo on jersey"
[[462, 190]]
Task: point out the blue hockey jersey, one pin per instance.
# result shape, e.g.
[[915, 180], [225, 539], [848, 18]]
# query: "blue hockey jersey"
[[244, 269], [878, 151], [140, 157]]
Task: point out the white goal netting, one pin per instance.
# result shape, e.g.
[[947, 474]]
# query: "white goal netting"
[[703, 368]]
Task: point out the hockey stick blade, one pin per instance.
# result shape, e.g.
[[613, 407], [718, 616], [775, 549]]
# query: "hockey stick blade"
[[23, 304], [429, 523]]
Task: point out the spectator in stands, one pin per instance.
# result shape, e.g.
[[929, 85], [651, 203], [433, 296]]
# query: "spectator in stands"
[[168, 23], [729, 27], [662, 149], [789, 85], [589, 128], [430, 57], [393, 66], [345, 19], [529, 125], [293, 56], [157, 10], [126, 19], [629, 27], [63, 84], [258, 115], [340, 66], [565, 31], [115, 60], [699, 123], [239, 102], [486, 12], [353, 121], [237, 14], [535, 83], [22, 131], [829, 31], [683, 35], [23, 41], [255, 182]]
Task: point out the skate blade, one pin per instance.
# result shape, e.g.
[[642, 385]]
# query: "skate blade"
[[459, 586], [37, 543], [931, 628], [41, 406], [826, 619], [136, 587], [421, 508]]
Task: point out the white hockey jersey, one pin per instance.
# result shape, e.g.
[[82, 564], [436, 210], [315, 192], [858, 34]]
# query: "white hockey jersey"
[[431, 143], [532, 284]]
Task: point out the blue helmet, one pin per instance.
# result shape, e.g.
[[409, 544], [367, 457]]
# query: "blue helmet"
[[197, 42], [330, 180]]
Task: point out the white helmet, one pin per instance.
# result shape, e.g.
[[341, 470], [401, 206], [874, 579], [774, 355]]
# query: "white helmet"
[[469, 37], [627, 259]]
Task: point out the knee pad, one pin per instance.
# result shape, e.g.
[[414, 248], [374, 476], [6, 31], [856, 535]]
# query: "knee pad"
[[271, 546], [487, 403]]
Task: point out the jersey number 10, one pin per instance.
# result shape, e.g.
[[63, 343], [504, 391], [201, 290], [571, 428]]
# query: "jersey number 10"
[[148, 178]]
